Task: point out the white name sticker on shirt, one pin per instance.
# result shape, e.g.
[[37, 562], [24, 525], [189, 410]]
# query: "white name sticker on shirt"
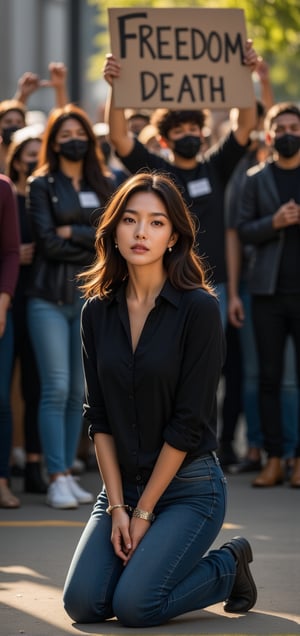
[[198, 188], [88, 200]]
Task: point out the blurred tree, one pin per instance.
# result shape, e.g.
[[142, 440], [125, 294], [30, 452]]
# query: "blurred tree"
[[274, 26]]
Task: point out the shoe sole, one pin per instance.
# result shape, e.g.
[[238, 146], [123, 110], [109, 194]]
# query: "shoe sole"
[[245, 557], [62, 507]]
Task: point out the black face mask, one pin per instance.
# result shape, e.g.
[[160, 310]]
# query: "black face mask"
[[7, 134], [287, 146], [188, 146], [31, 166], [74, 150]]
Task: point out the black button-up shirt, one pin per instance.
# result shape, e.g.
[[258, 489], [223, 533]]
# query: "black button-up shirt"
[[166, 389]]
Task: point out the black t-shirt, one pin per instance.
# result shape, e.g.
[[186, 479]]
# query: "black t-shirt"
[[288, 186], [203, 190]]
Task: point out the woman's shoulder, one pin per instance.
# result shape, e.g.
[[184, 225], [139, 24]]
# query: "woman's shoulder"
[[39, 181], [199, 298], [95, 305], [6, 186]]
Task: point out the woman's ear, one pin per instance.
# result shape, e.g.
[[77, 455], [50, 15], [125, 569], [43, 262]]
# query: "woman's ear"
[[173, 239]]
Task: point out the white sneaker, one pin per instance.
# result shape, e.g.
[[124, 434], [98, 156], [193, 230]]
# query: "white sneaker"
[[59, 494], [82, 496]]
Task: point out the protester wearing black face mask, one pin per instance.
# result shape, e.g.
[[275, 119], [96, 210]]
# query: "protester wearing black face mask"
[[21, 161], [66, 195], [12, 118], [270, 221], [287, 145], [74, 149], [187, 146]]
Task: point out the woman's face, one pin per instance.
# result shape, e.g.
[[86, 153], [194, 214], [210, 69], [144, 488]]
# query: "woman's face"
[[12, 119], [70, 129], [28, 157], [145, 232]]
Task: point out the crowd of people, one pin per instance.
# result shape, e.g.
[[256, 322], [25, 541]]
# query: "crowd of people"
[[241, 189]]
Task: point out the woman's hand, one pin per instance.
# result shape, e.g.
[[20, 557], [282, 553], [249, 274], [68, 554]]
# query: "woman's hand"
[[111, 68], [64, 231], [4, 305], [26, 253], [138, 529], [120, 534]]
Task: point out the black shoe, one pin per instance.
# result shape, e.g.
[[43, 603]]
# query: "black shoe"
[[246, 466], [33, 481], [244, 593]]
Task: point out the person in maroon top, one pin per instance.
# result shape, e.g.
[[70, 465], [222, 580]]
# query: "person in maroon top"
[[9, 269]]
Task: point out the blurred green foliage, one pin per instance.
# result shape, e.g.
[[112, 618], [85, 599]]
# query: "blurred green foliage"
[[273, 25]]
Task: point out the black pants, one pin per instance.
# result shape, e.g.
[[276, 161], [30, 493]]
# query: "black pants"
[[274, 317], [232, 372]]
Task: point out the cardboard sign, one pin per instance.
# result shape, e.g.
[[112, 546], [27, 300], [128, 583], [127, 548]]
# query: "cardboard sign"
[[180, 58]]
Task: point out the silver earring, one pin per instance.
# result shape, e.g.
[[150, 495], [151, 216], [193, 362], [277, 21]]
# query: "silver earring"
[[170, 249], [116, 246]]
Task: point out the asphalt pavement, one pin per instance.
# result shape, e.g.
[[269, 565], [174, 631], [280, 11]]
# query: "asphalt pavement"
[[37, 543]]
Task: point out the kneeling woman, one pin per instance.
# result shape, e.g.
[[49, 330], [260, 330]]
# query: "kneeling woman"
[[153, 350]]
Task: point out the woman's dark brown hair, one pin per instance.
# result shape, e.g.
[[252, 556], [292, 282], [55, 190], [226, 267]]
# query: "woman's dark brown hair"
[[184, 267], [14, 154], [95, 172]]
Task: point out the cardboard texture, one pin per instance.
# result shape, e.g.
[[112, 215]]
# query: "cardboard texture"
[[180, 58]]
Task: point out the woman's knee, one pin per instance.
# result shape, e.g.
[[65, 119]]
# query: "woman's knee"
[[82, 608], [133, 609]]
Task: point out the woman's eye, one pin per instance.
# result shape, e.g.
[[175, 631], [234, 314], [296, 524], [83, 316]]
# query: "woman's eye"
[[157, 223], [128, 219]]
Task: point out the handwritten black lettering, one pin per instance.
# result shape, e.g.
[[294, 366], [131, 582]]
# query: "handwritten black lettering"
[[179, 44], [234, 47], [161, 44], [145, 32], [196, 88], [123, 35], [217, 88]]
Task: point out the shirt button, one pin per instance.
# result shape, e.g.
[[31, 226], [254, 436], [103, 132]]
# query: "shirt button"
[[138, 477]]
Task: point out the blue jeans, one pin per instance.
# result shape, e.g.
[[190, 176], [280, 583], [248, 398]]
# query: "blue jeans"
[[6, 363], [55, 335], [169, 573]]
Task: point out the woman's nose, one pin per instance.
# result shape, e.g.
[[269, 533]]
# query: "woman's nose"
[[140, 231]]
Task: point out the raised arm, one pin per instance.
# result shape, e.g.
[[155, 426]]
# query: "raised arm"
[[58, 81], [246, 120], [267, 95], [120, 136], [28, 83]]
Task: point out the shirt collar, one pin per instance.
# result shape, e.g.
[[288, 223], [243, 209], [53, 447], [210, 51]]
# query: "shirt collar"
[[168, 292]]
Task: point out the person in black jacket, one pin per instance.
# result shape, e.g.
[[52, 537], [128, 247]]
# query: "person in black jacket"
[[153, 349], [71, 182], [269, 221]]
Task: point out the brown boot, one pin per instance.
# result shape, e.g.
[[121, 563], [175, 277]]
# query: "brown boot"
[[271, 475], [295, 478]]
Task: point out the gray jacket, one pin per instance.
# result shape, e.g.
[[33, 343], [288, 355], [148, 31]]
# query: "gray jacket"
[[259, 202]]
